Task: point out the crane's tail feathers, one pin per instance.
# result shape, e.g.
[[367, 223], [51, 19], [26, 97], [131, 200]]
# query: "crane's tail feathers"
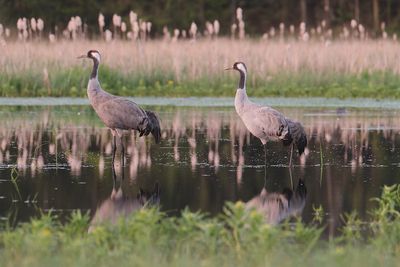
[[153, 126], [301, 143], [298, 135], [287, 139]]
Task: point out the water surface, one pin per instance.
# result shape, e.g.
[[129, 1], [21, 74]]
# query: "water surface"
[[59, 158]]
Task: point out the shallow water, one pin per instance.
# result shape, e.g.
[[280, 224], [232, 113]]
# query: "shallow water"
[[59, 158]]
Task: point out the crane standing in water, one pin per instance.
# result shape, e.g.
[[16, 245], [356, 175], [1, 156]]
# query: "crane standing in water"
[[265, 122], [118, 113]]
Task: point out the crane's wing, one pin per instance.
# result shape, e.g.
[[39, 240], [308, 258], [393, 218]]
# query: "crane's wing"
[[273, 123], [121, 113]]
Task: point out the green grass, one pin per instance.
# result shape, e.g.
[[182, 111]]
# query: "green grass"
[[72, 82], [238, 237]]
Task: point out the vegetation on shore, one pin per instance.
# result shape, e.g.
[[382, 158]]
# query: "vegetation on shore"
[[341, 69], [238, 237], [72, 83]]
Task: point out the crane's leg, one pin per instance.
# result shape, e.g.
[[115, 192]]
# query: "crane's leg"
[[114, 146], [291, 165], [291, 156], [123, 174], [114, 177], [119, 133], [122, 152], [114, 149], [265, 165]]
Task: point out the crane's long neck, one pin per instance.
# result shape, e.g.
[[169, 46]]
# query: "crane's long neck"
[[95, 69], [94, 91], [241, 98], [242, 81]]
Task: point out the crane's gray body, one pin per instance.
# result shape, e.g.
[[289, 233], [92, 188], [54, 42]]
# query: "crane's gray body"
[[116, 112], [265, 123]]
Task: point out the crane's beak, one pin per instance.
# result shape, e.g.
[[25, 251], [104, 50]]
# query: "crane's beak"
[[82, 56], [229, 69]]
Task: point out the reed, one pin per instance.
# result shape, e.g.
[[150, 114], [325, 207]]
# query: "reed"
[[366, 68]]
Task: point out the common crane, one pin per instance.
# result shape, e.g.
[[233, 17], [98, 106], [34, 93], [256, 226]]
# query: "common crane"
[[264, 122], [119, 113]]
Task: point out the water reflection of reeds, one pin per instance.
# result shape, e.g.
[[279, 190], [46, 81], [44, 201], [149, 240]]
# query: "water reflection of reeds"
[[352, 145], [29, 142]]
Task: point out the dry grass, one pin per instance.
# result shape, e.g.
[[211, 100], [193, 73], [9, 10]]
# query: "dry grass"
[[358, 68], [207, 58]]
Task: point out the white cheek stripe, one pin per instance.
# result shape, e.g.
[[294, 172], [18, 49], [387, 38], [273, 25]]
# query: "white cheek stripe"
[[241, 67], [96, 55]]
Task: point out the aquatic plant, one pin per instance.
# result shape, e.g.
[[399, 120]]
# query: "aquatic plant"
[[237, 237]]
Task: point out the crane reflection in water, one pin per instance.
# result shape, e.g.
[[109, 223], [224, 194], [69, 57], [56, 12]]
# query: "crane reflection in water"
[[118, 206], [277, 206], [206, 157]]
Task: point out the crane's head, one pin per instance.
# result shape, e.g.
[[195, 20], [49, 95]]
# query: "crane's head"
[[239, 66], [93, 54]]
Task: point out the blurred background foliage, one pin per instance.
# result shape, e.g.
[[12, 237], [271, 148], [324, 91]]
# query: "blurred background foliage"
[[259, 15]]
